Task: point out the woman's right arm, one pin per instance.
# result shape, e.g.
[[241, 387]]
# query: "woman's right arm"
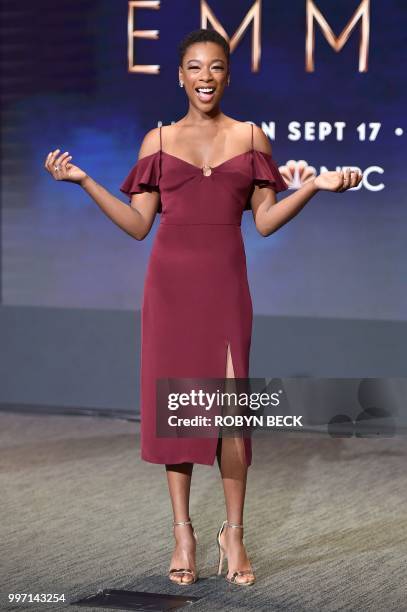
[[136, 219]]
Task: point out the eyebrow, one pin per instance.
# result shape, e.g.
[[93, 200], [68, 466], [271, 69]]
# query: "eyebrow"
[[214, 60]]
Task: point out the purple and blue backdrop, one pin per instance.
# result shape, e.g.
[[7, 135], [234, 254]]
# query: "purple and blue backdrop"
[[69, 87]]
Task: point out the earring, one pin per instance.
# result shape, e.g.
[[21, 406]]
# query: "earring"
[[181, 84]]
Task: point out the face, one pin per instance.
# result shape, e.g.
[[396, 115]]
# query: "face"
[[204, 73]]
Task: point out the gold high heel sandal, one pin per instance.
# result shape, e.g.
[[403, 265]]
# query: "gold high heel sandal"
[[222, 556], [182, 572]]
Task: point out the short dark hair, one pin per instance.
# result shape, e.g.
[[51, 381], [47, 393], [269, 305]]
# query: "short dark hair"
[[203, 35]]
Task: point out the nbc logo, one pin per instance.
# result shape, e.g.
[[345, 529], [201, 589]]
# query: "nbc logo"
[[298, 173]]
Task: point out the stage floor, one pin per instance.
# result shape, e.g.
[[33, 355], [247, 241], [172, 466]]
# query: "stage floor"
[[325, 519]]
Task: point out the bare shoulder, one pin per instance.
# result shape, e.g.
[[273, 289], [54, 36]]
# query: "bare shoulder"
[[241, 129], [243, 134], [260, 140], [150, 144]]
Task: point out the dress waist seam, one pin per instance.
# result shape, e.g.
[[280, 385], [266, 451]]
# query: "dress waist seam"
[[186, 224]]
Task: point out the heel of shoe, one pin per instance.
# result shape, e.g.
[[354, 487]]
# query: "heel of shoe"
[[221, 550], [221, 557]]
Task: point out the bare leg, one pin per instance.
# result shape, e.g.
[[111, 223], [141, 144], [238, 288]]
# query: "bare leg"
[[233, 468], [179, 484]]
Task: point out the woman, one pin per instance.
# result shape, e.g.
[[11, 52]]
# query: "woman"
[[200, 174]]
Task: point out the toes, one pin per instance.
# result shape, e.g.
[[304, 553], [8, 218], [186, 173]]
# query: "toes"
[[244, 579], [186, 580], [183, 579]]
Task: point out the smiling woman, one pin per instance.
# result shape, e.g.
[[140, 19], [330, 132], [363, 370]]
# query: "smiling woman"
[[194, 65], [197, 309], [200, 174]]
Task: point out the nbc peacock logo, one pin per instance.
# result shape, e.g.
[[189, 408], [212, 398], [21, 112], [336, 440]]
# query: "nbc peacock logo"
[[297, 173]]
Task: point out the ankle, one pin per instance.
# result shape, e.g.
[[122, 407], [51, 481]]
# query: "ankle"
[[184, 532], [184, 538], [233, 537], [234, 530], [181, 521]]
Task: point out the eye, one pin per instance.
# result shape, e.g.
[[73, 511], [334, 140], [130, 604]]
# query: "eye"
[[218, 67]]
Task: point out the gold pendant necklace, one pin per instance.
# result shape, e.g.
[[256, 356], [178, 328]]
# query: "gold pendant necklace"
[[206, 170]]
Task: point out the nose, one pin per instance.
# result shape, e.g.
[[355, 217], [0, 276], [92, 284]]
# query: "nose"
[[206, 74], [207, 78]]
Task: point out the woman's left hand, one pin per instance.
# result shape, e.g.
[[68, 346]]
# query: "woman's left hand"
[[338, 181]]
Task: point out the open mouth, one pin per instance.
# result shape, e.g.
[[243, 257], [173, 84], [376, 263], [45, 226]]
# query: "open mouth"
[[205, 94]]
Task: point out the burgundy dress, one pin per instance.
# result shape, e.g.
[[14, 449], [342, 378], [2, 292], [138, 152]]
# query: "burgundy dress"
[[196, 295]]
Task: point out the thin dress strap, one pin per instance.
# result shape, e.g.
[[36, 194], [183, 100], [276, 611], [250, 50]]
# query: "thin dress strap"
[[160, 151], [252, 155]]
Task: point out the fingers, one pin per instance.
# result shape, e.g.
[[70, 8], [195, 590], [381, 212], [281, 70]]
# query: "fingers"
[[359, 177], [57, 164], [350, 179], [50, 159], [64, 160], [61, 159], [346, 177], [342, 179]]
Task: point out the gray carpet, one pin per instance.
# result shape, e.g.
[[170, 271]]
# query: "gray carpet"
[[326, 519]]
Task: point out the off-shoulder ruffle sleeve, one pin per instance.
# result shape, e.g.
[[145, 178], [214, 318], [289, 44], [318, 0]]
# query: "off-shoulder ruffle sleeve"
[[266, 174], [144, 176]]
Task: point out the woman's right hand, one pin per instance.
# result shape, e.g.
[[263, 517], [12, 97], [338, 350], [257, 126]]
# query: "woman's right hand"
[[61, 169]]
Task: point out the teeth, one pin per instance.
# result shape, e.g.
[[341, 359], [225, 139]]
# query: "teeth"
[[206, 89]]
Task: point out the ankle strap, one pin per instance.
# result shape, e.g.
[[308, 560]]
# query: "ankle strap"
[[189, 522], [234, 525]]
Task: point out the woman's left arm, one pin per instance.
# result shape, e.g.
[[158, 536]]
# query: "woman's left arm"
[[270, 215]]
